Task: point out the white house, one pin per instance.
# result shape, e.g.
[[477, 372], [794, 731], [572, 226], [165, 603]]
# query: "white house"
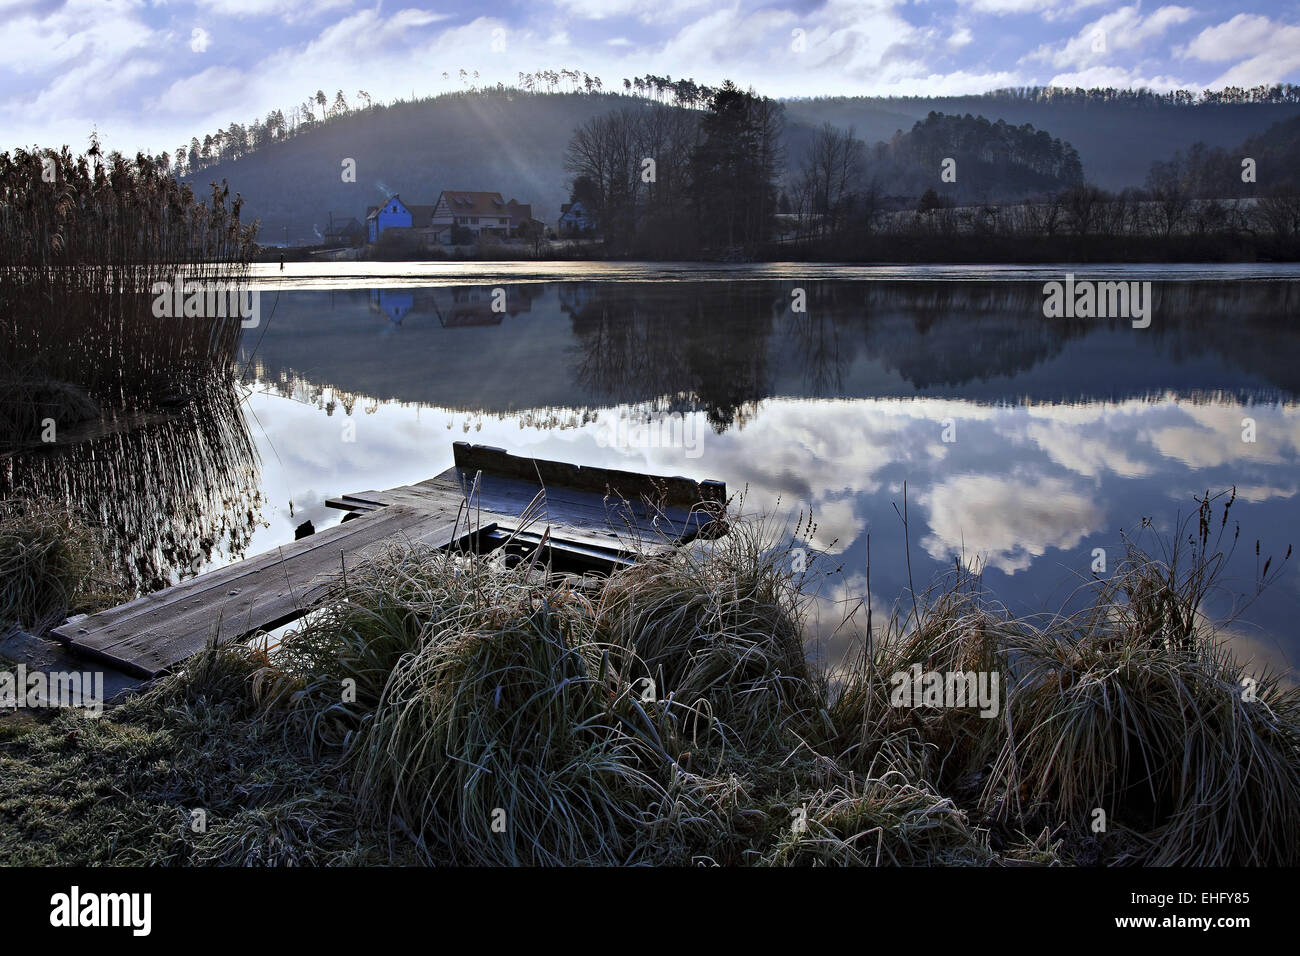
[[479, 212]]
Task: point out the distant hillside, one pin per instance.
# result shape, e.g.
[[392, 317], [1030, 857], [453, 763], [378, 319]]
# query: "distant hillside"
[[1277, 151], [1118, 138], [994, 161], [514, 142], [1215, 172]]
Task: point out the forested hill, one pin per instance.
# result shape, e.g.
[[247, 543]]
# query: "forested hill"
[[1118, 133], [997, 161], [514, 142], [508, 143]]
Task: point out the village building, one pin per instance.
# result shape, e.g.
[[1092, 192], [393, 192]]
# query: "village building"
[[391, 213], [482, 213], [395, 214], [457, 215], [575, 220], [344, 231]]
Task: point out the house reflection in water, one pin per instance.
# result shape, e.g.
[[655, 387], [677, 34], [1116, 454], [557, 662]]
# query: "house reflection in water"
[[479, 305], [394, 303]]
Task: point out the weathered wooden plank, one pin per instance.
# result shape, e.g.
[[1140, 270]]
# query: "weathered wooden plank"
[[206, 586], [670, 490], [155, 633], [592, 501], [584, 510], [39, 654], [579, 518], [603, 556], [591, 528]]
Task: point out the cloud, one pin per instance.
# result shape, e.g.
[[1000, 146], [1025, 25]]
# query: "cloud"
[[1003, 7], [290, 11], [1007, 520], [1116, 77], [1122, 29], [90, 33], [1090, 452], [1047, 9], [197, 92], [1212, 435], [645, 10], [1242, 36], [218, 94], [199, 39], [1267, 50]]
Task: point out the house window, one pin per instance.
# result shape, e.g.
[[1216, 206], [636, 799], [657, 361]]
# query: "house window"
[[474, 221]]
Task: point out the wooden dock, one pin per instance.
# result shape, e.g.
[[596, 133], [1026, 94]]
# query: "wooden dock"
[[584, 518]]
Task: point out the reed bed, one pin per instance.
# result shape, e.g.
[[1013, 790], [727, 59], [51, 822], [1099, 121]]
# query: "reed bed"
[[447, 708], [83, 239]]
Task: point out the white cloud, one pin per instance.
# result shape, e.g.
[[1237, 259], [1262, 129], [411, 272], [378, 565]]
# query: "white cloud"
[[1047, 9], [200, 39], [88, 32], [1007, 520], [1242, 36], [197, 92], [955, 83], [288, 10], [1117, 77], [1122, 29], [1267, 50], [645, 10], [1003, 7]]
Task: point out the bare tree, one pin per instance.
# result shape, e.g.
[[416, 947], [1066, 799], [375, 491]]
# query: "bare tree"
[[1280, 212], [1168, 188], [1083, 205], [830, 176]]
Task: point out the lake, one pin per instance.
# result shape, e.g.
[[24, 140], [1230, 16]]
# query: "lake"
[[1025, 443]]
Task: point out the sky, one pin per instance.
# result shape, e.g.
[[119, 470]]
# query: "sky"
[[149, 74]]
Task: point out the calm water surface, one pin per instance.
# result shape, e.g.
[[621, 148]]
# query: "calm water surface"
[[1062, 432]]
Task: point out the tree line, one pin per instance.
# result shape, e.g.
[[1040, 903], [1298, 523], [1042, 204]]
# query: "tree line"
[[659, 178], [1235, 95]]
